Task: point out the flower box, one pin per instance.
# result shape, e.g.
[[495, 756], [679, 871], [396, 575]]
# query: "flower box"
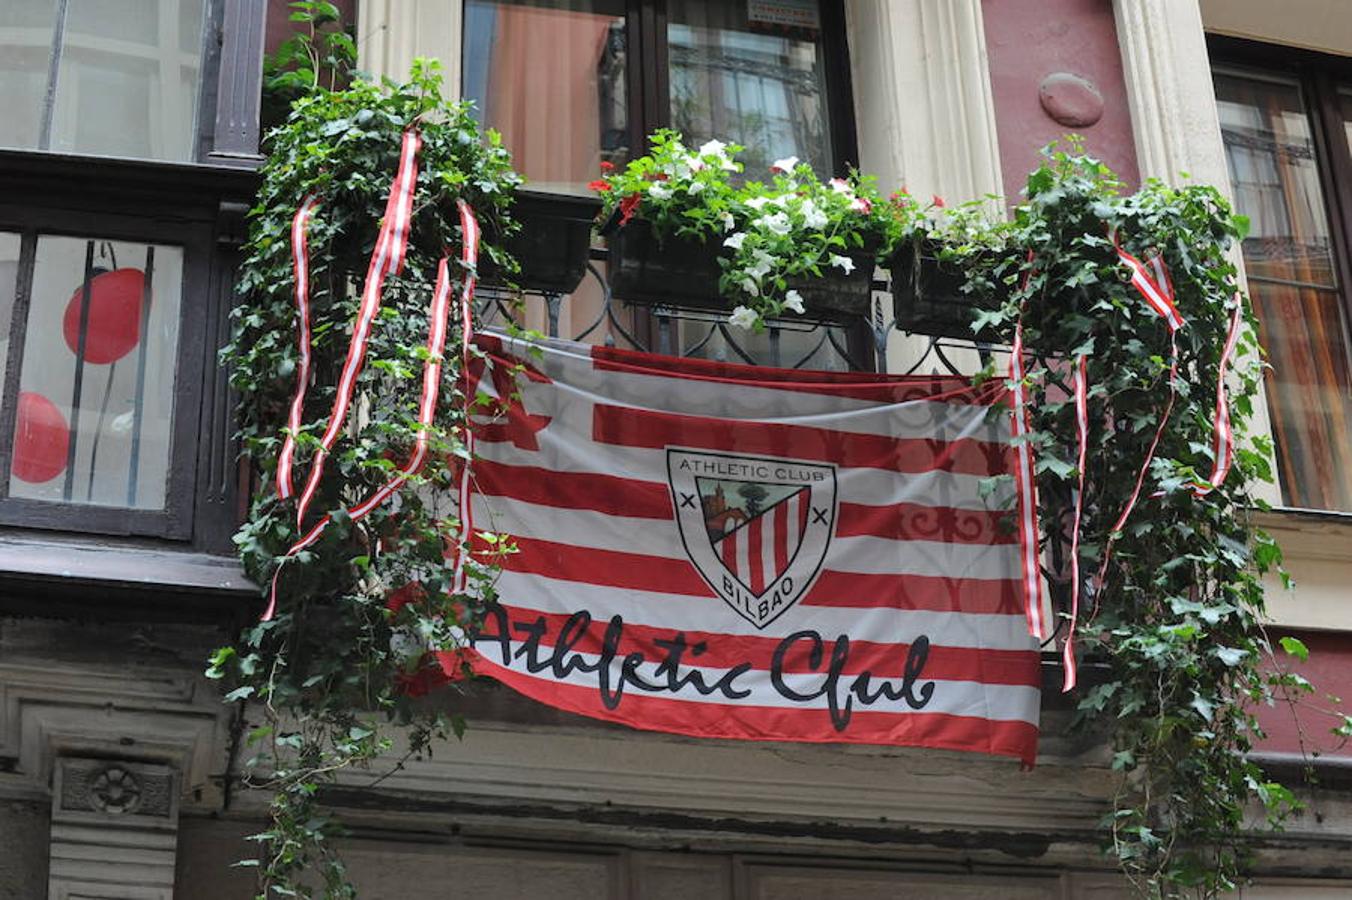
[[927, 295], [683, 272], [553, 243]]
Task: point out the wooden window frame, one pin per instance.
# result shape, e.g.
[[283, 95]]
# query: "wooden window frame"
[[197, 205], [1318, 76]]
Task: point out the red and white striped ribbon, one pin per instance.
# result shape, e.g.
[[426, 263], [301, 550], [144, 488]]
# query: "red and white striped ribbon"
[[432, 368], [1223, 438], [469, 229], [300, 263], [1025, 483], [387, 258], [1157, 289], [1080, 389]]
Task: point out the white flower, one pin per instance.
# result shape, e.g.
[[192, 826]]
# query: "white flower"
[[696, 187], [749, 285], [783, 201], [844, 263], [659, 192], [861, 205], [777, 222], [744, 317], [763, 263], [794, 301], [735, 241], [729, 222], [812, 216], [785, 165], [757, 202], [713, 148], [841, 186], [695, 163]]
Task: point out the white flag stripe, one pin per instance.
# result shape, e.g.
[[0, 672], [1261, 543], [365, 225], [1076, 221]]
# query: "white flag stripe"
[[710, 614], [862, 555], [864, 485], [997, 702], [916, 419], [575, 374]]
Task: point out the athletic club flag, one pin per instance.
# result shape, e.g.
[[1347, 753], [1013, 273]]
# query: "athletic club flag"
[[767, 554]]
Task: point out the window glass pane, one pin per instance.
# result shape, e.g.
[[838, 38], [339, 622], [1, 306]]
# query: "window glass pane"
[[1270, 149], [25, 61], [9, 279], [102, 327], [550, 75], [739, 73], [126, 83]]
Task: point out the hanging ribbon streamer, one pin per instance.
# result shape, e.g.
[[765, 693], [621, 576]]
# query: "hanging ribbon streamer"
[[432, 367], [1024, 482], [1223, 438], [386, 259], [469, 229], [300, 263], [1157, 289], [1080, 390]]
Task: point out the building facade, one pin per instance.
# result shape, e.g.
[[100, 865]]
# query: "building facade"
[[127, 149]]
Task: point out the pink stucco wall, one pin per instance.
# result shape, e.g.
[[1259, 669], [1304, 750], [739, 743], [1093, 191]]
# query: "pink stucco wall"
[[1028, 40]]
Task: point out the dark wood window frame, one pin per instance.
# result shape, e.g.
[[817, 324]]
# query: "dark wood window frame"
[[1320, 78], [196, 205], [649, 99]]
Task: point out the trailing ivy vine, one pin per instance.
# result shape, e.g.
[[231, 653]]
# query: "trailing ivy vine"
[[1176, 655], [363, 614]]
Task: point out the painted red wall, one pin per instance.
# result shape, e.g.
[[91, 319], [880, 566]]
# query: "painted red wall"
[[1329, 669], [1029, 40]]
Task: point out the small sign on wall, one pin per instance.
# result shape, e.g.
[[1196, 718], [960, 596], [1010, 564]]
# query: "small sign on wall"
[[780, 14]]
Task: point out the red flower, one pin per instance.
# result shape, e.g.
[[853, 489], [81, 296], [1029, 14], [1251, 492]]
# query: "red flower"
[[901, 197], [629, 206], [658, 176], [938, 201], [607, 166], [599, 185], [413, 592]]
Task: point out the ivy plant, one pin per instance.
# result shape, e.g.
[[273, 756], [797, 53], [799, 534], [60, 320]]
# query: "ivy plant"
[[369, 613], [1177, 661]]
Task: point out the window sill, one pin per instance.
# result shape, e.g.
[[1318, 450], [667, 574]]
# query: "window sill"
[[60, 575]]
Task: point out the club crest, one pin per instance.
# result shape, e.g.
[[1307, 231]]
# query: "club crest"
[[756, 528]]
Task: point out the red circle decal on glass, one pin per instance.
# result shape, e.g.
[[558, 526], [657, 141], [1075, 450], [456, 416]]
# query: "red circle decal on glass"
[[41, 439], [114, 316]]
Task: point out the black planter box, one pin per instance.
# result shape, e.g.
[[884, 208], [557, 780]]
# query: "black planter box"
[[927, 294], [683, 273], [553, 244]]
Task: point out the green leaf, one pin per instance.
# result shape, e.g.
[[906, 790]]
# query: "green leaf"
[[1295, 647]]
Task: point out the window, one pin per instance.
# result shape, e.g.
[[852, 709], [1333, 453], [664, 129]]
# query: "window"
[[94, 369], [116, 267], [570, 83], [107, 77], [1287, 134]]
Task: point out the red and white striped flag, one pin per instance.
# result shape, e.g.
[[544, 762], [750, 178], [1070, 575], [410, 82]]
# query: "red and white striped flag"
[[767, 554]]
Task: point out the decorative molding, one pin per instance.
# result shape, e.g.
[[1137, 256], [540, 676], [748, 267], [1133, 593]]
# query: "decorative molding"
[[923, 101], [114, 830], [109, 692]]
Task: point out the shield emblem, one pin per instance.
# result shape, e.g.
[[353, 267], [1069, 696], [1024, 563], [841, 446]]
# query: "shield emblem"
[[757, 528]]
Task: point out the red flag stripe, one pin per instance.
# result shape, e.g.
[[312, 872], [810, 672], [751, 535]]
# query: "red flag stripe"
[[643, 428], [1014, 738], [848, 385], [655, 574]]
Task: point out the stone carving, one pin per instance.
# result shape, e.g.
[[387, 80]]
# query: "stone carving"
[[1070, 100], [115, 788]]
